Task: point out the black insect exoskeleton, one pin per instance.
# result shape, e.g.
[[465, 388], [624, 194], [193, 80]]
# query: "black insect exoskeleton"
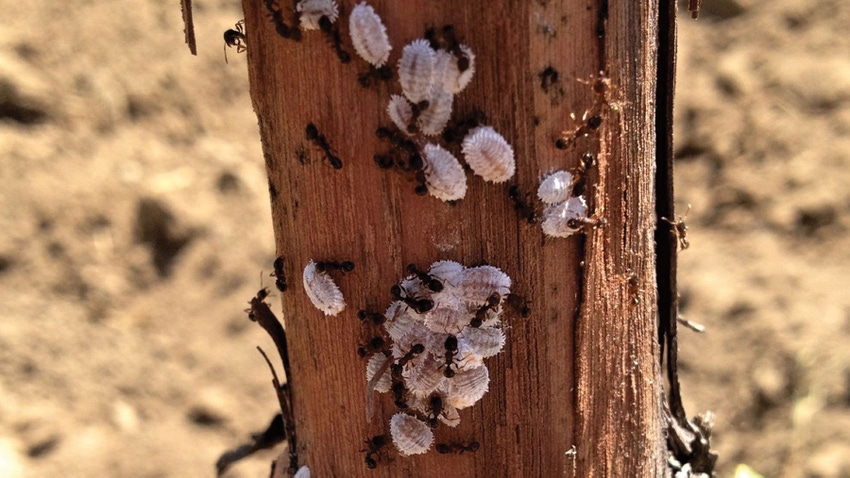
[[451, 350], [457, 130], [427, 280], [376, 318], [525, 210], [446, 448], [279, 274], [375, 344], [435, 408], [331, 30], [580, 176], [322, 142], [419, 305], [374, 446], [519, 304], [481, 314], [235, 38], [281, 27], [332, 266], [383, 73], [587, 126]]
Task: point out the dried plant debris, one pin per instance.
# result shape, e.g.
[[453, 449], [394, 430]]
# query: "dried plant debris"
[[443, 323]]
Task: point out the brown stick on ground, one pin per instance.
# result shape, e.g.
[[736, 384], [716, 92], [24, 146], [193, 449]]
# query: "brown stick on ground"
[[577, 389]]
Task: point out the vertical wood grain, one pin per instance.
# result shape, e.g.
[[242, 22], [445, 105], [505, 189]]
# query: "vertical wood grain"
[[537, 408]]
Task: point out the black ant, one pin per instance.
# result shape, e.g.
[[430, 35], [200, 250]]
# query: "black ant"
[[446, 448], [451, 44], [680, 229], [481, 314], [435, 408], [583, 223], [282, 28], [332, 32], [383, 73], [421, 188], [427, 280], [384, 161], [417, 109], [419, 305], [588, 125], [396, 139], [235, 38], [280, 282], [455, 131], [330, 266], [375, 344], [374, 445], [398, 388], [322, 142], [376, 318], [522, 207], [580, 179], [451, 350], [413, 352], [519, 304]]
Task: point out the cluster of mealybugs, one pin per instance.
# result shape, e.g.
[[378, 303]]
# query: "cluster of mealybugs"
[[443, 322]]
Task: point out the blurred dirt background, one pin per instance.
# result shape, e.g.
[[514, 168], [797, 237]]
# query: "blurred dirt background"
[[136, 220]]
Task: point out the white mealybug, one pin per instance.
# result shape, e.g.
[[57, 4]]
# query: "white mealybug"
[[467, 387], [369, 35], [446, 320], [444, 175], [489, 154], [466, 358], [425, 377], [447, 73], [485, 341], [449, 272], [410, 435], [416, 70], [374, 365], [555, 188], [322, 290], [480, 282], [433, 120], [303, 472], [312, 10], [400, 112], [562, 220]]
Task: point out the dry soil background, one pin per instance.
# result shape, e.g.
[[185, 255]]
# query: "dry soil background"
[[135, 221]]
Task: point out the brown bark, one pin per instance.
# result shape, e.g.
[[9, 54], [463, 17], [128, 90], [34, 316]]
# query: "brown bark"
[[580, 372]]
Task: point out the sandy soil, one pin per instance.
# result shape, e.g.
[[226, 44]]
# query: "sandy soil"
[[134, 208]]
